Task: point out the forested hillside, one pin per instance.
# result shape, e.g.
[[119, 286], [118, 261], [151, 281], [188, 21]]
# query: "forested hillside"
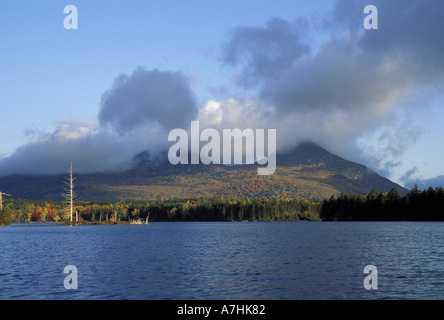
[[417, 205], [307, 172]]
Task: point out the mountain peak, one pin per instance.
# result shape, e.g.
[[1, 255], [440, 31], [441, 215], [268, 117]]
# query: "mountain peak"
[[306, 152], [307, 171]]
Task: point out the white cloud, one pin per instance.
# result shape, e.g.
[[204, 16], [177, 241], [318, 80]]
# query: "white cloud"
[[136, 115], [352, 86]]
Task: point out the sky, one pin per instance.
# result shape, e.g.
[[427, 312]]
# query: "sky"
[[134, 70]]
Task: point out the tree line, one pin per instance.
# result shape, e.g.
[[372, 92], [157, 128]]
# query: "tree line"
[[196, 209], [417, 205]]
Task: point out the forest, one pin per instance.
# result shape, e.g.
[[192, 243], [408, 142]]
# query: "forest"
[[417, 205], [196, 209]]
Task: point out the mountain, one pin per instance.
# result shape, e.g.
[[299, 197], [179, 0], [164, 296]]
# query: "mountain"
[[308, 171]]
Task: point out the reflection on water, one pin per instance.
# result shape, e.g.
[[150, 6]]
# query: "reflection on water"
[[291, 260]]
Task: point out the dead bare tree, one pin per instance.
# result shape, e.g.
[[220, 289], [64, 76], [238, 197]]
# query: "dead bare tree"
[[1, 202], [70, 194]]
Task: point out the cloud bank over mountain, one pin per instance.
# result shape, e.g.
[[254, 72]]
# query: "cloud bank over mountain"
[[135, 115], [352, 84], [354, 79]]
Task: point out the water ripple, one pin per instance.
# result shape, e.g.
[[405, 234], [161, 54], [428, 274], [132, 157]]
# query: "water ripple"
[[224, 261]]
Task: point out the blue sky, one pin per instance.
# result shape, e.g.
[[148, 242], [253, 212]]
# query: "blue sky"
[[49, 73], [54, 80]]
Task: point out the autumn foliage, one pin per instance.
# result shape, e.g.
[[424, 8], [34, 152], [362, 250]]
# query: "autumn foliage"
[[216, 208]]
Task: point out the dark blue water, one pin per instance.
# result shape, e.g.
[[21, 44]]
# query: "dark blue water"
[[311, 260]]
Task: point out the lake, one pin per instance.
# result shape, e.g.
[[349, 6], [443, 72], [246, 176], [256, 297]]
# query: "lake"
[[235, 261]]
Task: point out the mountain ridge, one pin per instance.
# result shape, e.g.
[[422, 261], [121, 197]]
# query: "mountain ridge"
[[307, 171]]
